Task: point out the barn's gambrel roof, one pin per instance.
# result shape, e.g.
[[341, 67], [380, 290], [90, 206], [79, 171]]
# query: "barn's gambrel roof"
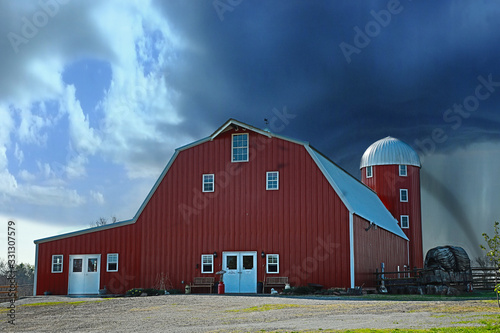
[[358, 198]]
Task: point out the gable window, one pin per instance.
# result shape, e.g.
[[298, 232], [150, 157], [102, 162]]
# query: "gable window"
[[207, 263], [272, 263], [405, 222], [57, 263], [272, 180], [369, 172], [403, 170], [239, 148], [208, 183], [403, 195], [112, 262]]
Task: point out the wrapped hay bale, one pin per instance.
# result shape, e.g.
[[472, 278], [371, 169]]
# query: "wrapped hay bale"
[[441, 258], [447, 264], [461, 259]]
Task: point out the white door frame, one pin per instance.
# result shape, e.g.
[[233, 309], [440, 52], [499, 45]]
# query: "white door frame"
[[84, 281]]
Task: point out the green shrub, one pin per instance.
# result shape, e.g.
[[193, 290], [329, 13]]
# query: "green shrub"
[[134, 292], [300, 290], [175, 291]]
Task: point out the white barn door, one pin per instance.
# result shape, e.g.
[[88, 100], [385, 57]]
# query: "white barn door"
[[241, 272], [84, 274]]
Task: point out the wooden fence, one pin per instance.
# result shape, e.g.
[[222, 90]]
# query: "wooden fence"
[[482, 278], [6, 292], [485, 278]]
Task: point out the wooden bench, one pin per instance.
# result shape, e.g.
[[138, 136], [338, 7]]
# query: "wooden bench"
[[203, 282], [275, 281]]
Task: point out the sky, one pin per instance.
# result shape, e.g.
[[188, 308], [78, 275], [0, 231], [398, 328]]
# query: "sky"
[[95, 97]]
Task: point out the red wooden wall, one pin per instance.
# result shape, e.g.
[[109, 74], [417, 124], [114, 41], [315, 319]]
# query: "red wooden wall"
[[123, 240], [386, 182], [373, 247]]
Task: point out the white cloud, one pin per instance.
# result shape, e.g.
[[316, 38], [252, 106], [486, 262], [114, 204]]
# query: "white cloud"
[[135, 128], [83, 137], [26, 176], [138, 106], [98, 197], [50, 196], [18, 153], [32, 124]]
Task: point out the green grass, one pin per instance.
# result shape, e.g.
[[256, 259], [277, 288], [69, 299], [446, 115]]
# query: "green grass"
[[266, 307], [481, 295], [62, 303], [495, 328]]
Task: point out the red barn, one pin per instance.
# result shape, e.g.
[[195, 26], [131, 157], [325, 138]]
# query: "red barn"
[[243, 200]]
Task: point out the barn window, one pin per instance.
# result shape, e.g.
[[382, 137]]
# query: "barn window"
[[369, 172], [403, 195], [208, 183], [207, 263], [57, 263], [272, 180], [405, 222], [112, 262], [403, 170], [273, 263], [239, 151]]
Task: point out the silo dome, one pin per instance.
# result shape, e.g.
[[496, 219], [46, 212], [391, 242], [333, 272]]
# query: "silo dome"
[[389, 150]]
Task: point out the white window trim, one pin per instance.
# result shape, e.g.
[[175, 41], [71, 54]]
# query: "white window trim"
[[108, 262], [371, 171], [52, 263], [401, 195], [232, 147], [277, 263], [211, 256], [408, 221], [277, 181], [406, 170], [203, 182]]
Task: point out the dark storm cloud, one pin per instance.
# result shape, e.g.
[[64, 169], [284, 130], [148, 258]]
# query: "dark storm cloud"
[[422, 60]]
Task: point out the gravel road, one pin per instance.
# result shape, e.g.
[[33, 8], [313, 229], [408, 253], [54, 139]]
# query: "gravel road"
[[223, 313]]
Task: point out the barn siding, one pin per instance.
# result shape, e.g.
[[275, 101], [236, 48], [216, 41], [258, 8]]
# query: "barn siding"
[[373, 247], [123, 240]]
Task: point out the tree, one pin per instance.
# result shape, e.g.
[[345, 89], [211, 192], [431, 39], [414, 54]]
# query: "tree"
[[493, 252], [24, 276], [103, 221]]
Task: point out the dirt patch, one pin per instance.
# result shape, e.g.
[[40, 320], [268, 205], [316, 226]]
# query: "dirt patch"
[[214, 313]]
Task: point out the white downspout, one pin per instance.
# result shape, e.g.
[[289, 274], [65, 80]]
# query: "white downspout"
[[351, 245], [408, 252], [36, 270]]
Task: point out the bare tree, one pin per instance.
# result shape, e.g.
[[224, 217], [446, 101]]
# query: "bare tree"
[[103, 221]]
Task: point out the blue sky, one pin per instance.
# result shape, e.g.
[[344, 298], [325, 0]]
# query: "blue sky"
[[95, 97]]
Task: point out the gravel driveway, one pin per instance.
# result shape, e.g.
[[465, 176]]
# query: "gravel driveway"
[[222, 313]]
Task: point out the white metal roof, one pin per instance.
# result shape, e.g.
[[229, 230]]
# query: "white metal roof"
[[358, 198], [389, 150]]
